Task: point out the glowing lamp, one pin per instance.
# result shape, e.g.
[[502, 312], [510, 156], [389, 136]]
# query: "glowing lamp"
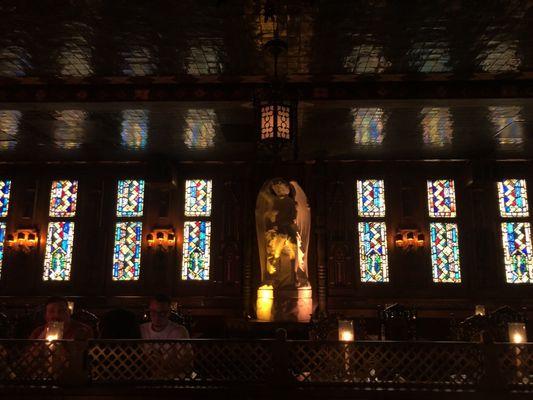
[[150, 239], [480, 310], [171, 239], [265, 299], [517, 332], [54, 331], [398, 239], [420, 240], [10, 240], [161, 239], [23, 239], [276, 123], [70, 305], [346, 333], [410, 238], [160, 236]]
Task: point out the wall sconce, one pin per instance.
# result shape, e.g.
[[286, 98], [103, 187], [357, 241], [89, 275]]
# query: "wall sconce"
[[409, 239], [517, 332], [162, 239], [346, 333], [23, 239]]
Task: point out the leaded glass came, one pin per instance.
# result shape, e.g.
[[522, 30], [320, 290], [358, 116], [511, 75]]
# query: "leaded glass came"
[[63, 198], [58, 255], [127, 251], [198, 194], [441, 198], [373, 252], [5, 191], [445, 252], [130, 198], [2, 239], [196, 250], [371, 198], [516, 238], [512, 194]]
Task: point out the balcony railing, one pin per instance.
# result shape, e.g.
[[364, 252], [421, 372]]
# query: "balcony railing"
[[413, 366]]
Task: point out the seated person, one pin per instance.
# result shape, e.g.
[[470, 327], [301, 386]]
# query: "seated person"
[[56, 310], [166, 360], [160, 326]]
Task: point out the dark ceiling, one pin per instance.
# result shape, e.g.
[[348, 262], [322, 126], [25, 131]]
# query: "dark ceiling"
[[85, 38], [99, 41]]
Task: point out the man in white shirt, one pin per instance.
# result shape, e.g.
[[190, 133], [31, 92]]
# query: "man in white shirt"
[[169, 360], [160, 326]]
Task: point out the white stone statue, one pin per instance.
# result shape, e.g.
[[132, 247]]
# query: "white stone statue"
[[283, 221]]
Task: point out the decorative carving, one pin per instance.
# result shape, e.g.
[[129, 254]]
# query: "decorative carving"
[[339, 262]]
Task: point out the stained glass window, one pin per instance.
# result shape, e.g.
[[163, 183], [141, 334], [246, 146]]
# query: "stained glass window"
[[63, 198], [196, 250], [127, 251], [444, 236], [2, 239], [371, 198], [373, 252], [445, 252], [130, 198], [5, 190], [512, 194], [441, 198], [198, 193], [368, 126], [58, 255], [516, 237]]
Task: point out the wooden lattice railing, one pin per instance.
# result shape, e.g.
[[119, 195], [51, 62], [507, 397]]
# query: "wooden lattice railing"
[[437, 366]]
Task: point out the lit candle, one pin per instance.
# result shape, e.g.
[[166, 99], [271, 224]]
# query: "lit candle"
[[346, 333], [517, 332], [265, 299], [54, 331]]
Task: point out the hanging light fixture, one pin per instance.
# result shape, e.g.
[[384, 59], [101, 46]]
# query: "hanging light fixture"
[[276, 114]]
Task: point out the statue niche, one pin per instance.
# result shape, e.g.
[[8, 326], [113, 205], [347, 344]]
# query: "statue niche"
[[283, 221]]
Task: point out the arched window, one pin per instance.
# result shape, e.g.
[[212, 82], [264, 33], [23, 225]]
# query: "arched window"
[[197, 230], [60, 233], [443, 231], [516, 230], [128, 230], [373, 257]]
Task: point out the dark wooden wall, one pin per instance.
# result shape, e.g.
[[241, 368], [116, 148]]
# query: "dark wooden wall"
[[333, 251]]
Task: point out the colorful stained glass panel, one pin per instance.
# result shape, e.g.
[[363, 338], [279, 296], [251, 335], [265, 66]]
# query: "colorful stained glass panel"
[[373, 258], [371, 198], [196, 250], [2, 239], [512, 194], [198, 194], [127, 251], [130, 198], [441, 198], [58, 255], [517, 252], [5, 190], [63, 198], [445, 252]]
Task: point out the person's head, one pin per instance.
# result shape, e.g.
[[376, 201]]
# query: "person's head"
[[159, 309], [56, 309]]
